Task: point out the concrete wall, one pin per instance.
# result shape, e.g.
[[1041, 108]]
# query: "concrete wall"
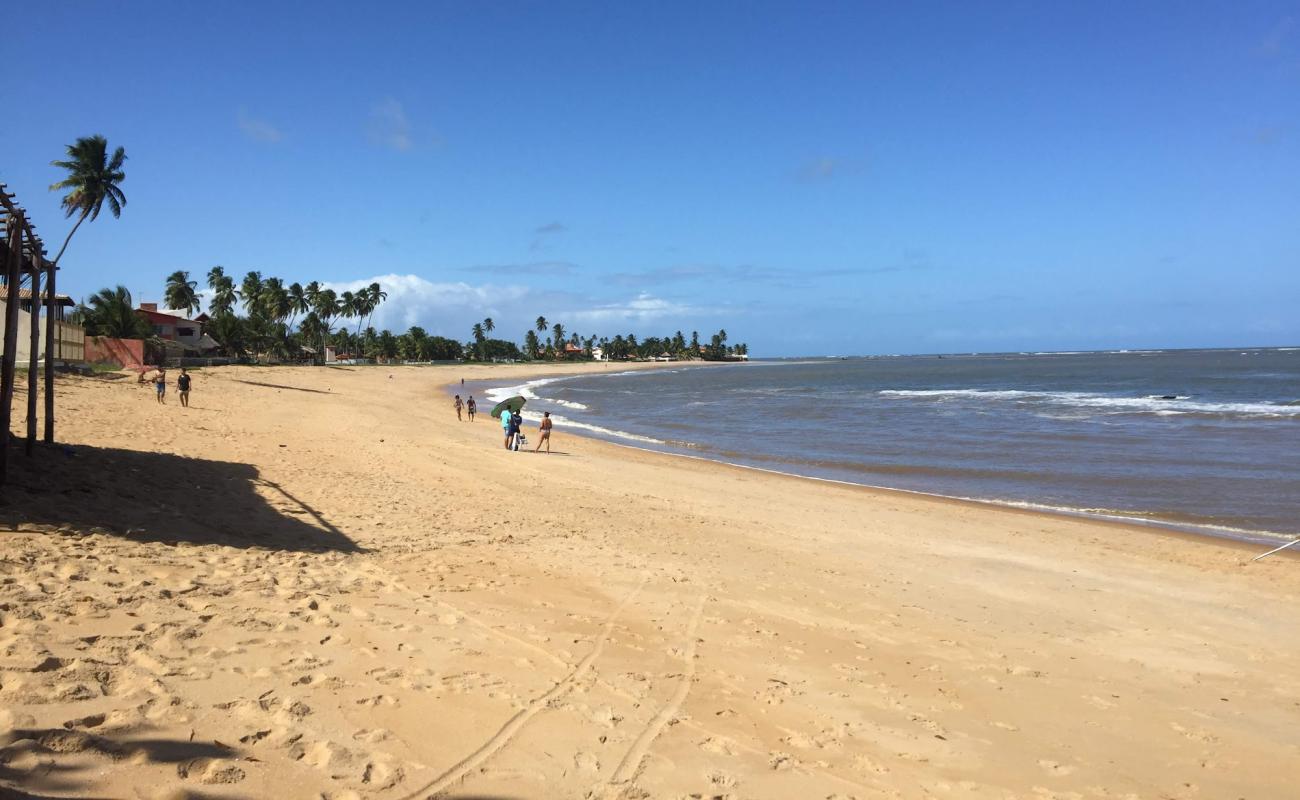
[[69, 341], [122, 352]]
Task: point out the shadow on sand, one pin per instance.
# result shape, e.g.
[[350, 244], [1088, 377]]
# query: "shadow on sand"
[[65, 775], [160, 497], [281, 386]]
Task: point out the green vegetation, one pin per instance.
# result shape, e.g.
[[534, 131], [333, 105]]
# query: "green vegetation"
[[92, 180], [110, 312]]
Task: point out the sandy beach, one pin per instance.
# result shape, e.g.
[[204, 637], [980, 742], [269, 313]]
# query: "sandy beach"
[[317, 583]]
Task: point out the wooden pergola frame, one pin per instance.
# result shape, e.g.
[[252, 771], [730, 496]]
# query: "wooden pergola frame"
[[23, 254]]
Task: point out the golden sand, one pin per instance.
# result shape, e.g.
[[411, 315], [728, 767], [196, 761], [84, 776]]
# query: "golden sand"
[[317, 583]]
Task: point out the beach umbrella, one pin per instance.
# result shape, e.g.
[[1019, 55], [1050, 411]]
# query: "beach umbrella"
[[511, 404]]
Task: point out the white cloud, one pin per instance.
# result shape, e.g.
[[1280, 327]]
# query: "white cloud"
[[259, 130], [642, 308], [389, 126], [447, 309]]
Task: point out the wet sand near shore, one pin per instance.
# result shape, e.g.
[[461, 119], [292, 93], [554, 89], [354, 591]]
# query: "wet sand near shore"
[[315, 582]]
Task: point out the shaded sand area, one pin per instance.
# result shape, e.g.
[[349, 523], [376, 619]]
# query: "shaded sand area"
[[316, 583]]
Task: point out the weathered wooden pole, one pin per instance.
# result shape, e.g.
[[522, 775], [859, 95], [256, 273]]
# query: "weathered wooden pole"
[[50, 339], [33, 356], [12, 262]]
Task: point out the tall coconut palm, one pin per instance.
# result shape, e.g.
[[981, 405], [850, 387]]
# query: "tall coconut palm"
[[361, 305], [274, 300], [348, 305], [297, 302], [541, 324], [180, 292], [223, 296], [250, 290], [326, 308], [557, 338], [311, 292], [377, 296], [93, 179]]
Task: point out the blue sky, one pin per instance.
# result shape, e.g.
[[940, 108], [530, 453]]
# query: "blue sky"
[[819, 178]]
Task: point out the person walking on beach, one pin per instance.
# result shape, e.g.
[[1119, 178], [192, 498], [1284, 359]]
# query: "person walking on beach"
[[160, 384], [183, 388], [459, 405], [545, 427], [506, 427], [516, 425], [471, 407]]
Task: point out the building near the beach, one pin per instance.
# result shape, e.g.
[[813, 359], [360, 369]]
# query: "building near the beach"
[[61, 303], [174, 328]]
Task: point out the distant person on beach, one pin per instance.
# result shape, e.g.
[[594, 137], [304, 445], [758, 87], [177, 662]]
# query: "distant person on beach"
[[183, 388], [545, 427], [516, 424], [505, 427], [459, 405], [471, 407], [160, 384]]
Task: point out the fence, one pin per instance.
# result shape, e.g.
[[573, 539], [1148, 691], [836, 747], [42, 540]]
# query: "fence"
[[69, 340]]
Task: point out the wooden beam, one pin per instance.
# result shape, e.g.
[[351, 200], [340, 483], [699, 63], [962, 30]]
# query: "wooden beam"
[[33, 380], [50, 339], [13, 260]]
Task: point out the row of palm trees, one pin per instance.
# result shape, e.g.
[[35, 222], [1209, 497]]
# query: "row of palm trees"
[[271, 309], [558, 346]]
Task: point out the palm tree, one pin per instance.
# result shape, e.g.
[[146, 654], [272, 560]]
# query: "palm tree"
[[228, 331], [180, 293], [274, 299], [110, 312], [377, 296], [541, 324], [311, 293], [489, 325], [93, 179], [327, 309], [223, 296], [251, 290], [348, 305], [557, 337], [361, 304], [215, 275], [297, 302]]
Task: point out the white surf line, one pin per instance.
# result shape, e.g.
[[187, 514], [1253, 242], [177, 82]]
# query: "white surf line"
[[507, 732], [631, 764]]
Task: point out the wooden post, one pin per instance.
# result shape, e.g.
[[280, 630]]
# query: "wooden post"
[[50, 338], [12, 263], [33, 362]]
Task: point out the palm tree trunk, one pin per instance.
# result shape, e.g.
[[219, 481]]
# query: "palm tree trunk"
[[80, 220]]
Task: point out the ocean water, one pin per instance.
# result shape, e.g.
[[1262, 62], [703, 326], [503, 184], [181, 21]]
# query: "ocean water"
[[1202, 440]]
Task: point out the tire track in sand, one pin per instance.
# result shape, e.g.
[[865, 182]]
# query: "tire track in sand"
[[511, 728], [630, 766]]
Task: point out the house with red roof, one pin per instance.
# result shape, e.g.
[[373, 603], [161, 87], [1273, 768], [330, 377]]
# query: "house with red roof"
[[174, 328]]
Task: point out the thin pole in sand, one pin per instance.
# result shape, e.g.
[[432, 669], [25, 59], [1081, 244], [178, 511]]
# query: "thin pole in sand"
[[1278, 549], [34, 352], [52, 330]]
